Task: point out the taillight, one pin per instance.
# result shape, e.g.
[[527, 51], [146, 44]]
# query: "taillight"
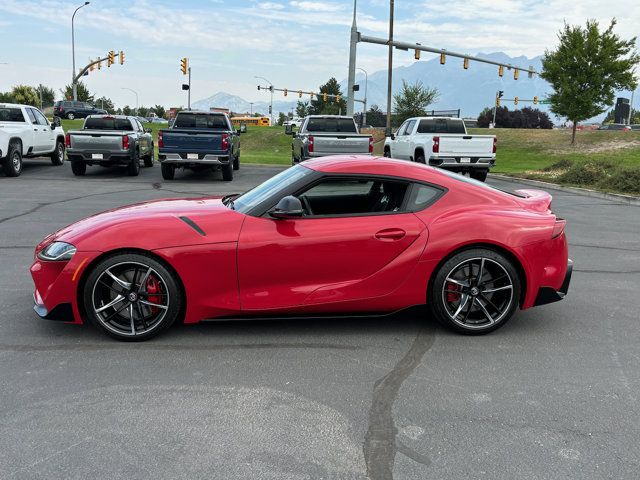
[[67, 140], [310, 144], [225, 141], [495, 144], [436, 144], [558, 228], [370, 144], [160, 140], [125, 142]]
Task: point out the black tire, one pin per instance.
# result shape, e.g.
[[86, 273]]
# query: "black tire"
[[480, 175], [488, 310], [148, 160], [79, 168], [236, 162], [152, 312], [168, 171], [57, 156], [71, 116], [419, 157], [12, 165], [133, 170], [227, 172], [387, 152]]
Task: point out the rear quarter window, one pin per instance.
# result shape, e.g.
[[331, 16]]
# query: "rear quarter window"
[[10, 114]]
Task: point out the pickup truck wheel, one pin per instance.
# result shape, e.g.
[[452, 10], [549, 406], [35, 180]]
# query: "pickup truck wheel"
[[420, 158], [13, 163], [70, 116], [227, 172], [480, 175], [78, 168], [168, 171], [57, 156], [134, 167], [148, 160], [387, 152], [236, 162]]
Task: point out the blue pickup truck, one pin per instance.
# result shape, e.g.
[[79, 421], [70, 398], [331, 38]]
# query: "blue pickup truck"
[[199, 140]]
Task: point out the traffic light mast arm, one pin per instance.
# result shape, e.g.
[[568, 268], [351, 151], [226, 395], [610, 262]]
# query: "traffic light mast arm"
[[86, 69], [417, 46], [315, 94]]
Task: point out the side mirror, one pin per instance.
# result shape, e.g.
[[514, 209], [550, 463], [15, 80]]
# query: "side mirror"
[[288, 129], [147, 130], [243, 128], [56, 122], [393, 136], [288, 207]]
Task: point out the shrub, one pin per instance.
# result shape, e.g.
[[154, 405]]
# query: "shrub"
[[563, 164], [587, 173], [624, 179]]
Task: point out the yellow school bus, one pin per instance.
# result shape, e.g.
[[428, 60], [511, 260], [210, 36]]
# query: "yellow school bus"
[[256, 121]]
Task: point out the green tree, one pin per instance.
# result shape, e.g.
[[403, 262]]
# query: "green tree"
[[586, 70], [143, 111], [26, 95], [105, 103], [376, 117], [127, 110], [413, 100], [302, 109], [281, 118], [5, 97], [48, 95], [84, 95], [331, 106], [160, 111]]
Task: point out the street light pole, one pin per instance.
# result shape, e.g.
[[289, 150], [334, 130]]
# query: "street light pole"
[[390, 70], [74, 85], [352, 62], [366, 87], [251, 107], [136, 93], [271, 104]]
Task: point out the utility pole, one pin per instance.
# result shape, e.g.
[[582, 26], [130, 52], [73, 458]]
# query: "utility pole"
[[251, 107], [189, 91], [352, 61], [366, 86], [136, 94], [631, 108], [74, 85], [271, 89], [390, 70]]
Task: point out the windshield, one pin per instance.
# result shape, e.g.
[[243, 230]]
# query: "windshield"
[[345, 125], [107, 123], [200, 120], [256, 196]]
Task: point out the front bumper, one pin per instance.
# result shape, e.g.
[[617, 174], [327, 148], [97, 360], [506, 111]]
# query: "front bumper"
[[549, 295]]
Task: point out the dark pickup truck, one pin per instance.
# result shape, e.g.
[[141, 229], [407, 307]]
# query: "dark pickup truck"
[[199, 140]]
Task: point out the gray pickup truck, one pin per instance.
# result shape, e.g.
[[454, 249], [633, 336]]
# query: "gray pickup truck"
[[322, 135], [110, 140]]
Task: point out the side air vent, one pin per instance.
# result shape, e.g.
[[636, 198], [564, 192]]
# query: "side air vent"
[[193, 225]]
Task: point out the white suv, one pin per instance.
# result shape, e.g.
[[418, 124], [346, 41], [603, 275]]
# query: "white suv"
[[25, 132]]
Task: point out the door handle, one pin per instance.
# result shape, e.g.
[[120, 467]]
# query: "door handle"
[[390, 234]]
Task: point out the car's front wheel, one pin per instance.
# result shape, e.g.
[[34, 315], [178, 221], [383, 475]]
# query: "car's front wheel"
[[12, 165], [132, 297], [70, 116], [476, 291]]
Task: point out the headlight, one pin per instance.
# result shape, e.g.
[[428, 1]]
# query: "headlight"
[[57, 251]]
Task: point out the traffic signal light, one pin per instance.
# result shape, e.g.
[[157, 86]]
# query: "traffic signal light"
[[501, 70], [121, 57], [91, 67], [516, 74], [515, 100], [324, 97], [443, 58], [111, 58], [99, 65], [285, 92], [258, 87], [465, 64], [535, 100], [417, 54], [299, 93], [500, 93], [184, 65], [497, 102]]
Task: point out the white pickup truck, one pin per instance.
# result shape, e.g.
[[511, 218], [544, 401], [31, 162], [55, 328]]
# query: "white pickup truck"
[[26, 132], [443, 142]]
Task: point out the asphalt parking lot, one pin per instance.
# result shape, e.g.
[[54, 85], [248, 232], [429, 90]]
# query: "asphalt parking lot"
[[554, 394]]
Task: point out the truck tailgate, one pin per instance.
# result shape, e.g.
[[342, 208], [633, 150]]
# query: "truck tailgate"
[[340, 144], [466, 145], [191, 141], [96, 141]]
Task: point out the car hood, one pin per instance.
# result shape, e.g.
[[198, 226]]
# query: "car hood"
[[156, 224]]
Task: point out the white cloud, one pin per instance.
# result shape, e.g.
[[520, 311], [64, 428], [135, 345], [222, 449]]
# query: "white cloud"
[[270, 6], [317, 6]]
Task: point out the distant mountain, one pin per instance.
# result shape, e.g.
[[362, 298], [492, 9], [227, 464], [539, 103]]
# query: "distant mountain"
[[240, 105]]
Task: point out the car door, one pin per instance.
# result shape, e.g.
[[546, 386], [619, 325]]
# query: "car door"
[[46, 133], [404, 141], [39, 142], [355, 247]]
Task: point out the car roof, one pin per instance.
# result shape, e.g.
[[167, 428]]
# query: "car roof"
[[201, 112], [107, 115], [14, 105]]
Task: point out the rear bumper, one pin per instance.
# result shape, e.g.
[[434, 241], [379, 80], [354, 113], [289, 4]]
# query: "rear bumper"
[[549, 295], [456, 163], [207, 158], [115, 158]]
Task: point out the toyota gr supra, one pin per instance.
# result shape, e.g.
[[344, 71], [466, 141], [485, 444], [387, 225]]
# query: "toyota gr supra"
[[340, 235]]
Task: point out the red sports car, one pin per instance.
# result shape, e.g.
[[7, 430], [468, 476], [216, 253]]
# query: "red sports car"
[[338, 235]]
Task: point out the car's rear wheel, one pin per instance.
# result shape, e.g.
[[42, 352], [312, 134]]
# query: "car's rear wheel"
[[387, 152], [168, 171], [132, 297], [236, 162], [57, 156], [420, 157], [227, 171], [70, 116], [134, 166], [78, 168], [12, 165], [476, 291], [480, 175]]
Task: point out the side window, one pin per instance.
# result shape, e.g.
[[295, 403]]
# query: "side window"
[[410, 126], [40, 118], [422, 196], [353, 196], [31, 116]]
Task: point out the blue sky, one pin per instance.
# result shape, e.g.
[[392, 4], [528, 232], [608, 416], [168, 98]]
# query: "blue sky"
[[295, 44]]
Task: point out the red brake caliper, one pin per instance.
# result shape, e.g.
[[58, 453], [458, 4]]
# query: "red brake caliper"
[[451, 296], [153, 287]]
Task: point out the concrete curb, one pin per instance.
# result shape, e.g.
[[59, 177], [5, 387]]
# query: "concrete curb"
[[614, 197]]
